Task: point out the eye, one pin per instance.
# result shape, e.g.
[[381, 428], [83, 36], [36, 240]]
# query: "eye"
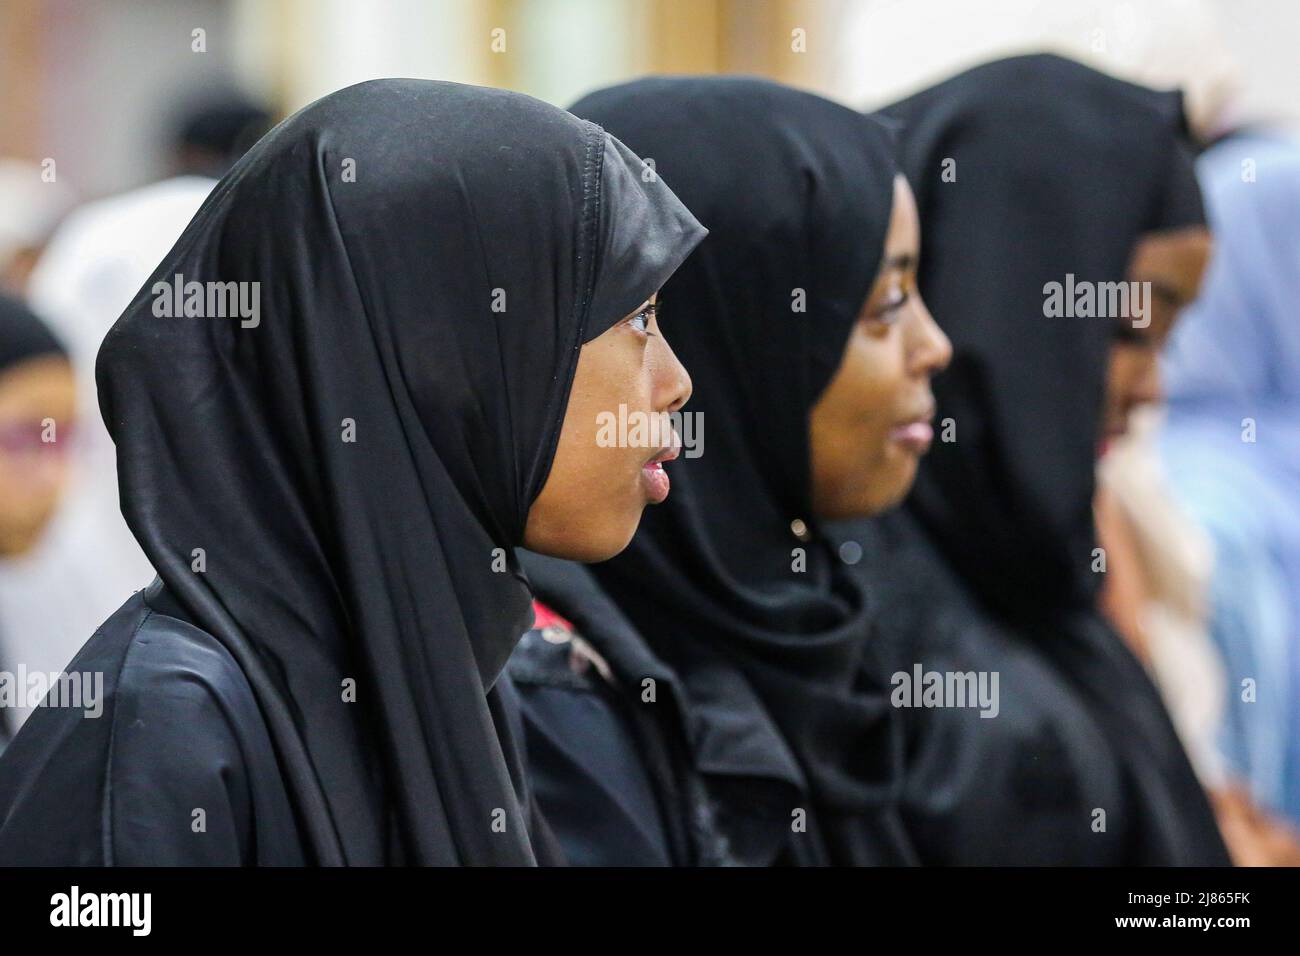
[[888, 310], [641, 320]]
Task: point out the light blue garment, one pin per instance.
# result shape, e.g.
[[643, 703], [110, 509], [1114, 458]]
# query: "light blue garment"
[[1232, 448]]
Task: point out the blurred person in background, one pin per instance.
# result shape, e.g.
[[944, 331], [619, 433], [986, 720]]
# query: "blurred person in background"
[[1029, 171], [1159, 561], [887, 51], [1160, 565], [700, 699], [98, 258], [31, 206], [213, 134], [1231, 447], [37, 424]]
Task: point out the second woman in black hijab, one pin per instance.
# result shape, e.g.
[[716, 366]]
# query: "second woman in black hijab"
[[1029, 171], [713, 708], [330, 471]]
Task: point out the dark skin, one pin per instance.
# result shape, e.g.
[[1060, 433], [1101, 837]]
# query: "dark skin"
[[592, 501], [869, 428], [1174, 262]]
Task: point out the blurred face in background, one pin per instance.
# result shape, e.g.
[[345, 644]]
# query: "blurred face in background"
[[33, 470], [873, 422], [1174, 263], [16, 270]]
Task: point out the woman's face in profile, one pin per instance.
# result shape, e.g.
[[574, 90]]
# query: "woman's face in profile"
[[873, 421], [34, 395], [615, 438], [1174, 263]]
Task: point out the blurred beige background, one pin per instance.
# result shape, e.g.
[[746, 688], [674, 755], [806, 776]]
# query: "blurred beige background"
[[95, 84]]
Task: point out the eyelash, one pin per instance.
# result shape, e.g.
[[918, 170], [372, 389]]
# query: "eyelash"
[[888, 312], [649, 312]]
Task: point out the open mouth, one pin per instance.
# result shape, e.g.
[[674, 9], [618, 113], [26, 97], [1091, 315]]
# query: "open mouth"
[[917, 434], [654, 478]]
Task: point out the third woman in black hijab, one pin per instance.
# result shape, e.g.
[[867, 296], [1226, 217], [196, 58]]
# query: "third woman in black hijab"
[[433, 286], [729, 636], [1029, 171]]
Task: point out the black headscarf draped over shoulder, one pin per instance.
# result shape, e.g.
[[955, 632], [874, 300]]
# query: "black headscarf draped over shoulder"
[[797, 193], [1027, 170], [430, 259]]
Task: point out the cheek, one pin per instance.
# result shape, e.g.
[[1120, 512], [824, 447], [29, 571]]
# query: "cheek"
[[593, 498], [883, 392], [858, 469], [618, 391], [31, 490], [873, 386], [1124, 372]]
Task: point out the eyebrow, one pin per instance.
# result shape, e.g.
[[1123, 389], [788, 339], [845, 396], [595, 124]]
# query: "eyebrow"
[[902, 261]]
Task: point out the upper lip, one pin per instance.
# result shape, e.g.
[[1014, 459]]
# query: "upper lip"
[[668, 452], [926, 417]]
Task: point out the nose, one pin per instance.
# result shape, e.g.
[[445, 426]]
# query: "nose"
[[672, 383], [931, 349]]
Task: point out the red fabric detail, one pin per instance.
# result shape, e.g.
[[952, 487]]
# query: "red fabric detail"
[[544, 617]]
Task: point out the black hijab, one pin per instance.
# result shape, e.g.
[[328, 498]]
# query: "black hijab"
[[796, 192], [388, 224], [1059, 170]]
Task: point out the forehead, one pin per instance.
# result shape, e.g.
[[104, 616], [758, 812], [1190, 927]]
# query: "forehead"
[[43, 382], [904, 227]]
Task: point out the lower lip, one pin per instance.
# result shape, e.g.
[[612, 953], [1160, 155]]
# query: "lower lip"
[[915, 437], [656, 483]]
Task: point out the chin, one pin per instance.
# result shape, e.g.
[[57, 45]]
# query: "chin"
[[889, 491], [599, 553], [594, 545], [891, 501]]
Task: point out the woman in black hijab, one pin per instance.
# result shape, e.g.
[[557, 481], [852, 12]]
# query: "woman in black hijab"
[[719, 712], [1029, 171], [37, 410], [330, 479]]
